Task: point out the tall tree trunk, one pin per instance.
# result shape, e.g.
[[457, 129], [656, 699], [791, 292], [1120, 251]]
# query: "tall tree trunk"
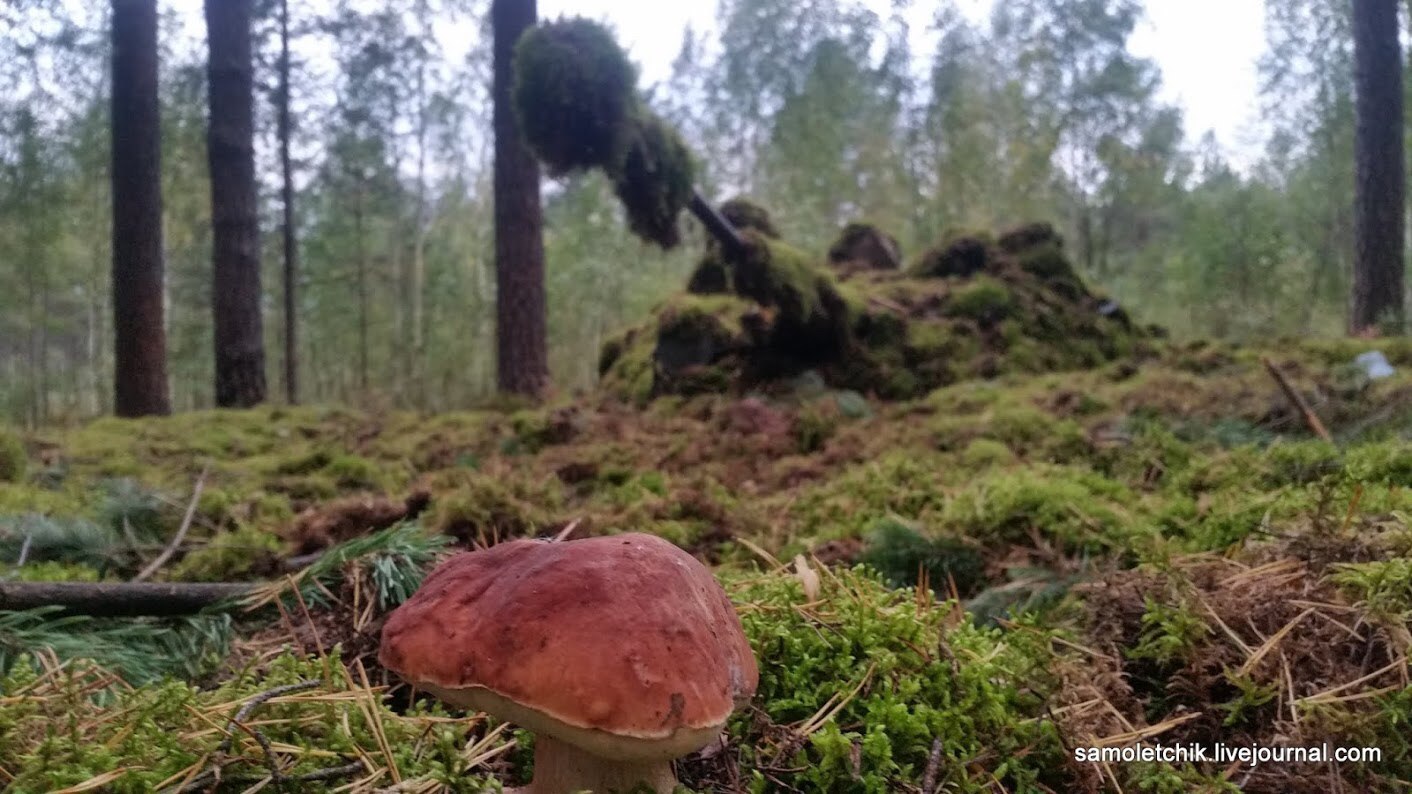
[[363, 297], [1380, 194], [417, 288], [139, 322], [230, 150], [291, 249], [522, 360]]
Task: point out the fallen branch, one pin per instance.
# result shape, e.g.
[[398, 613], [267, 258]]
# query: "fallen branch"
[[276, 776], [156, 564], [933, 766], [119, 599], [1310, 418]]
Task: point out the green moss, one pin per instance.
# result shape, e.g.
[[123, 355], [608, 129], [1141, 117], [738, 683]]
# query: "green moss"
[[575, 93], [984, 300], [14, 461], [1382, 587], [974, 701], [356, 473], [52, 572], [745, 214], [900, 484], [985, 453], [1301, 463], [695, 334], [655, 181], [245, 553], [473, 506], [814, 425], [1079, 510], [304, 463], [778, 275], [58, 736], [961, 254]]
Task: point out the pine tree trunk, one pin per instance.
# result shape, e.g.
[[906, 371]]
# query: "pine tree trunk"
[[139, 321], [1380, 192], [291, 250], [522, 359], [230, 150]]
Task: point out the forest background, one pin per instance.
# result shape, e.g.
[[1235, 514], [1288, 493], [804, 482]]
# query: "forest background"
[[823, 110]]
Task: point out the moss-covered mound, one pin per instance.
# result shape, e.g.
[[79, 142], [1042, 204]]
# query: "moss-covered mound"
[[972, 308], [575, 94], [713, 274]]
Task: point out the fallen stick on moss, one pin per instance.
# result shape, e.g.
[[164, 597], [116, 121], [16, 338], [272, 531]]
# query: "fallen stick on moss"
[[156, 564], [1310, 418], [120, 599]]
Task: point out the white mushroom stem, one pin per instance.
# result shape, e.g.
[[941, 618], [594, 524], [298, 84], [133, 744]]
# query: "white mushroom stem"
[[562, 768]]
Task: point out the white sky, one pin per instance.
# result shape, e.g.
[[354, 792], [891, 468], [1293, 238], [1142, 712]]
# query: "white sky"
[[1207, 50]]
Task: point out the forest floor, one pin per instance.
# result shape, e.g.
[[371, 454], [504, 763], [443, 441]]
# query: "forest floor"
[[946, 593]]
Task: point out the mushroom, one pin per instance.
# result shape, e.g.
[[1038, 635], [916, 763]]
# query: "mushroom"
[[619, 653]]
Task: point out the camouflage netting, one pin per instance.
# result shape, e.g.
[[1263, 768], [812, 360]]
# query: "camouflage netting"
[[655, 182], [863, 246], [974, 307], [576, 95]]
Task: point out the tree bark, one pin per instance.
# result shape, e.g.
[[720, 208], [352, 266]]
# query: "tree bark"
[[1380, 194], [139, 321], [522, 358], [230, 150], [291, 249]]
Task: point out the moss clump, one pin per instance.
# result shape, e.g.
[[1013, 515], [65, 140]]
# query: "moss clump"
[[900, 552], [353, 472], [986, 453], [746, 214], [57, 735], [961, 254], [246, 553], [655, 181], [692, 333], [575, 92], [713, 275], [872, 652], [53, 572], [1039, 250], [488, 507], [808, 303], [865, 246], [1078, 510], [984, 300], [13, 459]]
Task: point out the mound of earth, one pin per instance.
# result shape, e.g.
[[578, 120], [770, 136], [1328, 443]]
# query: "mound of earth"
[[973, 307]]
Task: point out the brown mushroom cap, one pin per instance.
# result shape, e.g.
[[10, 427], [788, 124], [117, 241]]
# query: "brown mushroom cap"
[[623, 645]]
